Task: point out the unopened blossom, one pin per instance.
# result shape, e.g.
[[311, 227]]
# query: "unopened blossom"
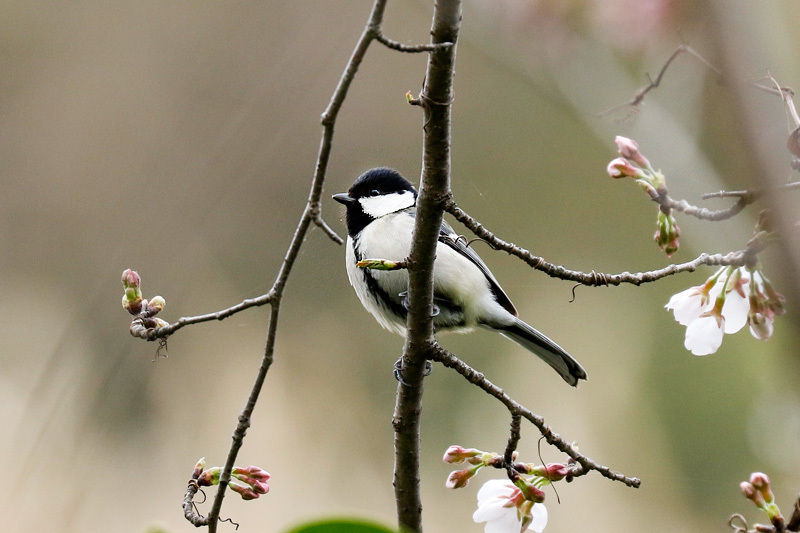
[[551, 472], [667, 233], [621, 168], [460, 478], [629, 149], [249, 482], [505, 510], [758, 491], [457, 454]]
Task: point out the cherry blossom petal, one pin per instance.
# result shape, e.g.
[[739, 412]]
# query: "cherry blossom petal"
[[686, 305], [735, 310], [704, 335]]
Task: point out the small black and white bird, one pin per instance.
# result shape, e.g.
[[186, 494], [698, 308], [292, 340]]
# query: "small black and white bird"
[[381, 206]]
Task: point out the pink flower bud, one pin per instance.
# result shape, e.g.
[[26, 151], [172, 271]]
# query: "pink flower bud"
[[130, 279], [629, 149], [750, 492], [760, 482], [456, 454], [551, 472], [209, 477], [245, 491], [621, 168], [157, 304], [252, 471], [460, 478], [198, 468], [530, 491]]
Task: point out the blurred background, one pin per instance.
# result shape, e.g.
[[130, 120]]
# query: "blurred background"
[[179, 139]]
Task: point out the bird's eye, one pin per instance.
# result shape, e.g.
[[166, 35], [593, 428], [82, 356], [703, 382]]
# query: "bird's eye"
[[374, 192]]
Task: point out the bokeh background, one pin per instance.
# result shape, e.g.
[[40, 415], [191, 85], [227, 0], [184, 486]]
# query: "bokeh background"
[[179, 138]]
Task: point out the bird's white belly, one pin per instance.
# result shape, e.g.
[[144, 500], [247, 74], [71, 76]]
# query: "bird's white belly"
[[455, 277]]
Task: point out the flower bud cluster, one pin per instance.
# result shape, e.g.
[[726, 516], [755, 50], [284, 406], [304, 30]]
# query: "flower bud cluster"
[[730, 299], [758, 491], [517, 504], [133, 302], [633, 164], [667, 233], [249, 482]]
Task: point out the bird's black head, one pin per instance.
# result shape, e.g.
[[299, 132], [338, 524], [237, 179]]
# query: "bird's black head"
[[376, 193]]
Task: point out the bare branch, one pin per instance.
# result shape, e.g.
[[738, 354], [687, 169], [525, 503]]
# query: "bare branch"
[[745, 198], [593, 278], [437, 93], [707, 214], [311, 213], [408, 48], [436, 353], [638, 98], [189, 510], [316, 214], [141, 328], [511, 447]]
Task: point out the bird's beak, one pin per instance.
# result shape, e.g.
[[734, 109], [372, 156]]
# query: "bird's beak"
[[343, 198]]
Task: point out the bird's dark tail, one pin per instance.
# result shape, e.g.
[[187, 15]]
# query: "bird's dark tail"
[[550, 352]]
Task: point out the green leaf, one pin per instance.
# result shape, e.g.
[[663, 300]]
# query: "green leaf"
[[341, 525]]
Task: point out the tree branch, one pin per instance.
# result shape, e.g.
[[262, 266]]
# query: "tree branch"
[[436, 353], [638, 98], [593, 278], [311, 213], [436, 96]]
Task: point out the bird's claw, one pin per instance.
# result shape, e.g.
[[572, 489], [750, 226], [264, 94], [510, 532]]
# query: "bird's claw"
[[407, 305], [398, 370]]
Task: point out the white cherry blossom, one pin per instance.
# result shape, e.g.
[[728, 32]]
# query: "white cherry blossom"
[[505, 510]]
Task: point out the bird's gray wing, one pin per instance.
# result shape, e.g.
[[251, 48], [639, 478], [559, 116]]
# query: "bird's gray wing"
[[448, 237]]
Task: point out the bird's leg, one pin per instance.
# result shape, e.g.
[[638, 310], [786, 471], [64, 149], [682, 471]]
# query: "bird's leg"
[[398, 370], [404, 300]]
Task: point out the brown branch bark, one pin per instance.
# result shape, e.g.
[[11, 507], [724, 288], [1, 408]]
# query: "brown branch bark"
[[436, 97], [593, 278], [516, 409], [311, 214]]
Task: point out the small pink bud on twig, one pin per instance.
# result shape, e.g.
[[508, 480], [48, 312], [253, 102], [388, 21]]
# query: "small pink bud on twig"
[[621, 168], [130, 279], [460, 478], [456, 454], [157, 304], [629, 149], [530, 491], [198, 468], [209, 477], [551, 472]]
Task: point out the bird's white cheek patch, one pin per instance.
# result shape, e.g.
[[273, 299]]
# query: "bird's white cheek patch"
[[378, 206]]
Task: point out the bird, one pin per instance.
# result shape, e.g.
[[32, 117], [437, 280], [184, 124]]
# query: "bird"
[[380, 213]]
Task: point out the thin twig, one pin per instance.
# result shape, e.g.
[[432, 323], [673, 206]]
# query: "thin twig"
[[745, 198], [702, 213], [513, 441], [311, 214], [316, 214], [638, 98], [787, 95], [408, 48], [593, 278], [436, 353], [139, 327], [189, 510]]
